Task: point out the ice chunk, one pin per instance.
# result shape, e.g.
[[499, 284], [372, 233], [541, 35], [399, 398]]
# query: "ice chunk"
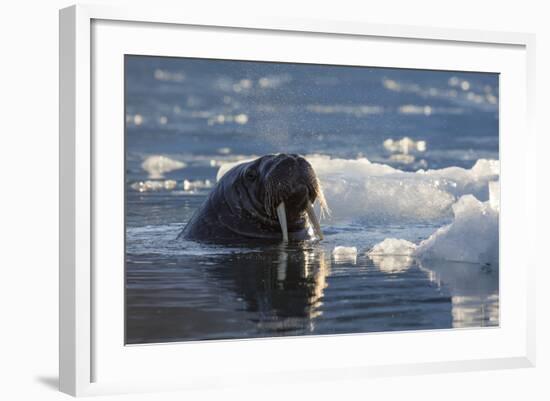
[[393, 246], [158, 165], [224, 151], [241, 119], [392, 255], [361, 189], [274, 81], [193, 185], [472, 237], [345, 254], [150, 185], [165, 75], [415, 109], [169, 185], [405, 145], [486, 168]]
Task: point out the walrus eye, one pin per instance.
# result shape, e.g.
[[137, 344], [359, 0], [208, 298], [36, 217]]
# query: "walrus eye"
[[251, 174]]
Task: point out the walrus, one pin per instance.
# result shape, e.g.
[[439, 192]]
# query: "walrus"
[[270, 198]]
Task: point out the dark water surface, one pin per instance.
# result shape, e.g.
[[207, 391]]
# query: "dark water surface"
[[204, 114]]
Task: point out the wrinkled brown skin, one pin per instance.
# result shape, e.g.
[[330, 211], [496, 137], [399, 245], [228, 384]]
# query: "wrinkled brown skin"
[[235, 212]]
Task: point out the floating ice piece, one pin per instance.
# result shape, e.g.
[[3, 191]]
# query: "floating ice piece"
[[149, 185], [472, 237], [415, 109], [193, 185], [165, 75], [158, 165], [227, 84], [404, 145], [361, 189], [345, 254], [392, 85], [392, 255], [484, 168], [274, 81], [241, 118], [393, 246], [169, 185], [224, 151]]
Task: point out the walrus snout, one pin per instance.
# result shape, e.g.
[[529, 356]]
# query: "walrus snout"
[[291, 179], [291, 189], [296, 201]]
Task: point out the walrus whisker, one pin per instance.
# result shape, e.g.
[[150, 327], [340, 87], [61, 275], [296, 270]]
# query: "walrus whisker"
[[281, 214], [314, 221], [270, 201], [324, 209]]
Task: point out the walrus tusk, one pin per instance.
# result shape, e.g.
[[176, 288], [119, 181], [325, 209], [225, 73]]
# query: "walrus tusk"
[[281, 214], [314, 221]]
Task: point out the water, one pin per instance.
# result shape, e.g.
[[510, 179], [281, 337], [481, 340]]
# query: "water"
[[203, 114]]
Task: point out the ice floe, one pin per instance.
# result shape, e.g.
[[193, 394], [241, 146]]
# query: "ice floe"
[[193, 185], [472, 237], [361, 189], [151, 185], [188, 186], [157, 165], [404, 145], [172, 76]]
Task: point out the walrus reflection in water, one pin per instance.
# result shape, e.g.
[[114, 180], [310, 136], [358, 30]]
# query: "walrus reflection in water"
[[270, 198], [283, 286]]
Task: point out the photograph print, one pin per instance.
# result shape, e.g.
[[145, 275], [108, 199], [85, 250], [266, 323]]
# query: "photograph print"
[[268, 199]]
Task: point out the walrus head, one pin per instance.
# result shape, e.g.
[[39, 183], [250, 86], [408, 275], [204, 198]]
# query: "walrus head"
[[268, 198], [285, 187]]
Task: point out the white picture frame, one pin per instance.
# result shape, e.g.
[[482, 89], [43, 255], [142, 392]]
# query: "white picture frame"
[[81, 345]]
